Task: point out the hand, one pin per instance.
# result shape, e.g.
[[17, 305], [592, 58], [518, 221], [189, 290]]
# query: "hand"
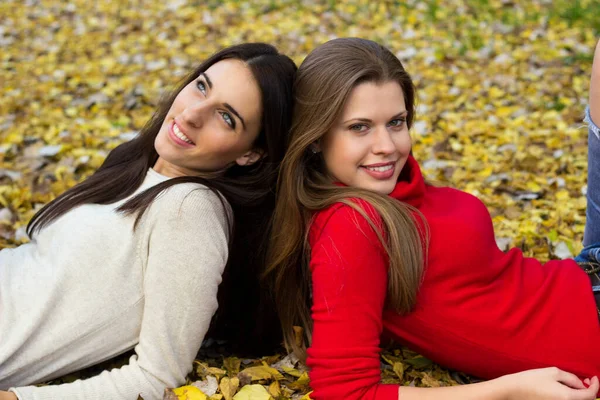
[[549, 384], [7, 395]]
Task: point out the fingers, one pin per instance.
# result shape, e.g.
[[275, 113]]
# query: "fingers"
[[594, 385], [569, 380], [585, 394]]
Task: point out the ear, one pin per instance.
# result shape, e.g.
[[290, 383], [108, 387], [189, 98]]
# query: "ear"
[[315, 147], [250, 157]]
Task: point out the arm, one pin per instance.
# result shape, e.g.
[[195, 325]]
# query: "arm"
[[186, 253], [349, 280], [490, 390], [537, 384], [349, 277]]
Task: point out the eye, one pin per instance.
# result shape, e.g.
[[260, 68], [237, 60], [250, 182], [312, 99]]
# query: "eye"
[[228, 119], [358, 127], [397, 123], [201, 86]]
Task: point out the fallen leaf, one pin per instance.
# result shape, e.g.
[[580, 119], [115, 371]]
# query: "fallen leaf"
[[229, 387], [253, 392]]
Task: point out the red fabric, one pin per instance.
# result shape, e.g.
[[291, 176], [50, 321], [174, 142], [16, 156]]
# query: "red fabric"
[[479, 310]]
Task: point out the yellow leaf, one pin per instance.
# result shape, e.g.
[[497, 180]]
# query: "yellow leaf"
[[301, 383], [228, 387], [262, 372], [253, 392], [275, 389], [189, 393], [504, 111], [232, 365], [304, 379], [14, 138], [534, 187], [562, 195], [218, 372], [292, 371], [495, 93], [429, 381], [487, 171], [399, 370]]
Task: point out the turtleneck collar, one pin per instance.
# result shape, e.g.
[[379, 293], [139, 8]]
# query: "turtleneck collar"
[[411, 185]]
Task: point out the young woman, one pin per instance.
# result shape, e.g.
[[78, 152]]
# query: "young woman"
[[362, 246], [132, 257]]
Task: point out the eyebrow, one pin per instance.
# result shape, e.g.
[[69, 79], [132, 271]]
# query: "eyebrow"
[[400, 114], [228, 106]]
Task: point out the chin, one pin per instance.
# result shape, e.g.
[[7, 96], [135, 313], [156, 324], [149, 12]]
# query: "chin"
[[384, 188]]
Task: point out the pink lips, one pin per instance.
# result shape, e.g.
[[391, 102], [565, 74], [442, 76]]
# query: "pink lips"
[[381, 175], [174, 137]]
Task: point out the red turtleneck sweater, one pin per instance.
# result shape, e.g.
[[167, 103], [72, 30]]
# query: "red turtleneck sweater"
[[479, 310]]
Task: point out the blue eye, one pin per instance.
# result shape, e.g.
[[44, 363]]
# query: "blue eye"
[[396, 123], [228, 120], [201, 86], [358, 127]]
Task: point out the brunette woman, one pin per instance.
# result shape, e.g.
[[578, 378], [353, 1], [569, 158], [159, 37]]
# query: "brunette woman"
[[132, 257]]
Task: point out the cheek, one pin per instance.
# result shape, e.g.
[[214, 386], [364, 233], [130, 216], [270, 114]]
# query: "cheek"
[[343, 154], [181, 100], [404, 143], [353, 149], [161, 139], [224, 142]]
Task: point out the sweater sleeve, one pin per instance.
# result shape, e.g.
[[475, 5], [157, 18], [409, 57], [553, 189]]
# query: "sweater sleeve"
[[349, 281], [186, 250]]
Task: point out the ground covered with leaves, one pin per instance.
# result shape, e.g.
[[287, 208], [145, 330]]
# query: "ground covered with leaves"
[[502, 86]]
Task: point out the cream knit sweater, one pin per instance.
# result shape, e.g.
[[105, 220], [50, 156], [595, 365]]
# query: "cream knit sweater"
[[88, 288]]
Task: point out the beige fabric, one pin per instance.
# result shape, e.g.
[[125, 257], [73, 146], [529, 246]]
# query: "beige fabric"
[[89, 287]]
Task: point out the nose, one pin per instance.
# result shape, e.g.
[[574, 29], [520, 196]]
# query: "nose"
[[383, 142], [195, 113]]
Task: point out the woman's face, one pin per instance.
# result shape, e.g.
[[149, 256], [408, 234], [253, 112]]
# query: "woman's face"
[[369, 143], [212, 123]]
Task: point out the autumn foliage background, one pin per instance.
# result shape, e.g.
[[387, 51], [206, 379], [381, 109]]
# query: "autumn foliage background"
[[502, 86]]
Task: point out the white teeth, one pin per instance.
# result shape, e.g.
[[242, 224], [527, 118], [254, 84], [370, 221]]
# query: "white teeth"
[[180, 134], [381, 169]]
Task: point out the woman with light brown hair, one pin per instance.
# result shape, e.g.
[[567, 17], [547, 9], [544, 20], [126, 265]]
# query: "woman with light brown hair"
[[363, 246]]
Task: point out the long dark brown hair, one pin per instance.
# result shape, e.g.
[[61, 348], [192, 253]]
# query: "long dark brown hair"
[[324, 82], [250, 190]]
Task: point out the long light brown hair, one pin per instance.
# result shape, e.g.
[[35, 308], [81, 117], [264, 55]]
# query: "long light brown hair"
[[323, 84]]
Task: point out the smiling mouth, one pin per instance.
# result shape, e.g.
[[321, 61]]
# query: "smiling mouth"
[[181, 135], [381, 168]]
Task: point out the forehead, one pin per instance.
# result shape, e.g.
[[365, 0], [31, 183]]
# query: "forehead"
[[234, 84], [374, 100]]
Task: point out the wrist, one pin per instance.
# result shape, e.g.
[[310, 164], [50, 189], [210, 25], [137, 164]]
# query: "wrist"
[[8, 396], [504, 388]]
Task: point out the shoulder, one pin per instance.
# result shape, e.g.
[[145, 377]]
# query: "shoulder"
[[192, 201], [353, 221], [344, 244]]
